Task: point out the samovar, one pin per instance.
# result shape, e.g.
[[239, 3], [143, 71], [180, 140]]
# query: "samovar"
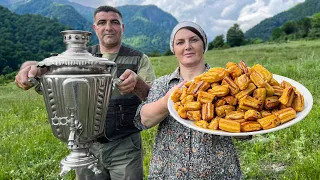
[[76, 90]]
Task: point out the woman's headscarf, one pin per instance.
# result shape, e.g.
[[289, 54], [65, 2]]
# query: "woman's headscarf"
[[185, 24]]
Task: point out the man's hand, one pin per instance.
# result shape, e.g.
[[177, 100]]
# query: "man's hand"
[[129, 81], [28, 69]]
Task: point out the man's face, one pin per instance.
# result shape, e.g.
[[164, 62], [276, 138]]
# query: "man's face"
[[109, 28]]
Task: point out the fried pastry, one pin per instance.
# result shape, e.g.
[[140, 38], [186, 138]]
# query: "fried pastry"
[[244, 68], [267, 75], [222, 72], [233, 69], [175, 97], [231, 100], [207, 111], [274, 82], [249, 126], [182, 112], [285, 115], [298, 102], [214, 124], [194, 115], [233, 87], [242, 81], [269, 122], [260, 94], [278, 90], [257, 79], [211, 77], [229, 125], [221, 111], [192, 106], [219, 102], [287, 96], [184, 93], [235, 115], [202, 124], [271, 102], [188, 98], [251, 87], [219, 91], [177, 105], [248, 102], [252, 115], [205, 97]]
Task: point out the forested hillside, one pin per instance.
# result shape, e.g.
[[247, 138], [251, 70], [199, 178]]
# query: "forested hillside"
[[147, 28], [264, 29], [66, 14], [27, 37]]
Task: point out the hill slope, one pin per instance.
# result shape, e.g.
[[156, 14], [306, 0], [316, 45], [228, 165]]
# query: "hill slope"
[[147, 28], [264, 29], [27, 37]]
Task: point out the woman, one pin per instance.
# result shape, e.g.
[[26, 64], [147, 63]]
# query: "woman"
[[180, 152]]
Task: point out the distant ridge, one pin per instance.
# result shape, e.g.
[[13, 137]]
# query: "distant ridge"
[[147, 28], [264, 29]]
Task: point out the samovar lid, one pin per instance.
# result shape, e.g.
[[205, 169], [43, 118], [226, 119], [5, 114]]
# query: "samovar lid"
[[76, 52]]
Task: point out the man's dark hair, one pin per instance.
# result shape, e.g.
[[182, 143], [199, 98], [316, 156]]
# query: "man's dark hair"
[[107, 9]]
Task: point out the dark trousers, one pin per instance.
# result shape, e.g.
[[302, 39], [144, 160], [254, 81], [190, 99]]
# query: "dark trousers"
[[118, 160]]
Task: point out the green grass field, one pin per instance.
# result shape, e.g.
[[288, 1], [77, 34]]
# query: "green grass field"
[[28, 150]]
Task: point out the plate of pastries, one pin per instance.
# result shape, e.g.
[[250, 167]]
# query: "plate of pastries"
[[239, 100]]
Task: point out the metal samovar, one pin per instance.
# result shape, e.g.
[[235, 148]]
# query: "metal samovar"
[[76, 90]]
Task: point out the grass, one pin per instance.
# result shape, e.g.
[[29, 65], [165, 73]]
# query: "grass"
[[28, 150]]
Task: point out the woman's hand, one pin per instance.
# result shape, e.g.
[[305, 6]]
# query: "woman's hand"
[[167, 96]]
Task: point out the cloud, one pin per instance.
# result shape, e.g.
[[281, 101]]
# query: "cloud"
[[254, 13], [215, 16], [228, 10]]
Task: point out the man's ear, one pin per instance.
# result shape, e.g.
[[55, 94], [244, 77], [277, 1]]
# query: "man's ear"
[[122, 28]]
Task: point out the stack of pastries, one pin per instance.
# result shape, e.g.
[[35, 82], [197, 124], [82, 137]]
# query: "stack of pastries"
[[237, 98]]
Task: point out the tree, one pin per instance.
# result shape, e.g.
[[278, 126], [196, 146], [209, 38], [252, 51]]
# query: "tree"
[[235, 36], [218, 42], [168, 52], [304, 27], [315, 23], [289, 27], [277, 33]]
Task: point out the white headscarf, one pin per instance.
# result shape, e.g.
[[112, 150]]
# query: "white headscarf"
[[189, 24]]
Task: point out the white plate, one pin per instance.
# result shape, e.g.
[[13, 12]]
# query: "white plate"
[[308, 102]]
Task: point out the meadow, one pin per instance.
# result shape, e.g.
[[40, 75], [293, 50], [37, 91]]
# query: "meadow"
[[28, 150]]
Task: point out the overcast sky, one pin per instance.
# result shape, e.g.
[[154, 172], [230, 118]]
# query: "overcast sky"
[[215, 16]]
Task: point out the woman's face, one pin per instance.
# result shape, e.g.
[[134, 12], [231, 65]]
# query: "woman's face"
[[188, 47]]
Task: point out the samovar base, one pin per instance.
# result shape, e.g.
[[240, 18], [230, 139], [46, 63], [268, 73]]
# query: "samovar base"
[[79, 158]]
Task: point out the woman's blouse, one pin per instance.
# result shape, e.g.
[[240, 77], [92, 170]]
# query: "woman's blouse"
[[182, 153]]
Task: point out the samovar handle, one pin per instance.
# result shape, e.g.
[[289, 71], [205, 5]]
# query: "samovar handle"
[[116, 82], [34, 81]]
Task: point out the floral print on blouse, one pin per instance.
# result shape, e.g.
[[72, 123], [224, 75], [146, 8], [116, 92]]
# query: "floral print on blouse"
[[182, 153]]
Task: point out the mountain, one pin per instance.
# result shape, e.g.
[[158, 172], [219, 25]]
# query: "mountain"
[[264, 29], [27, 37], [66, 14], [147, 28]]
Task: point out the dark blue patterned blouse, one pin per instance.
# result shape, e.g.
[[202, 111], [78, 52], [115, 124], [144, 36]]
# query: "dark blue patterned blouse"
[[182, 153]]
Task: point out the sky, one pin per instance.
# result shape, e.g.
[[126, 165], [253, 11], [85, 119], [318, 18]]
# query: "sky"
[[214, 16]]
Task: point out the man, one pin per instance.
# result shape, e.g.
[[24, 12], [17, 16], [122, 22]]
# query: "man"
[[120, 151]]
